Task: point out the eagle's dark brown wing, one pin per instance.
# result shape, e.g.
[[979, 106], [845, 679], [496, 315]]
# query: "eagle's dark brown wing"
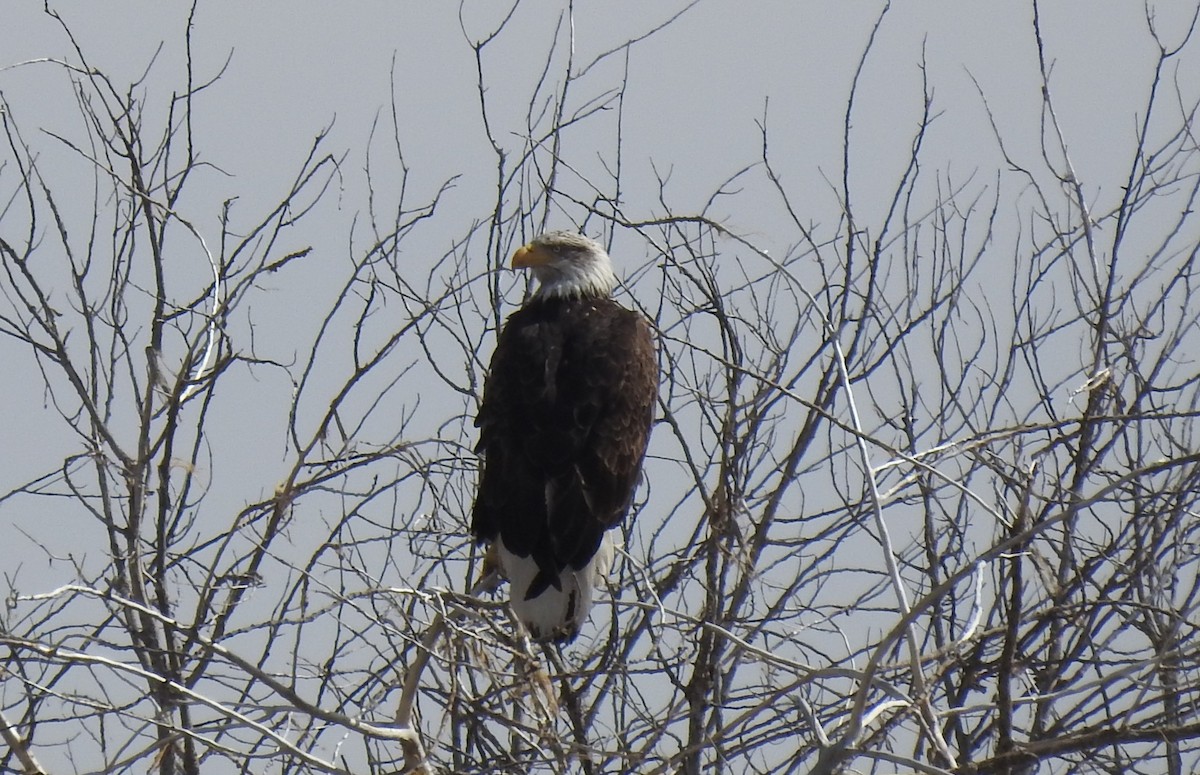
[[566, 415]]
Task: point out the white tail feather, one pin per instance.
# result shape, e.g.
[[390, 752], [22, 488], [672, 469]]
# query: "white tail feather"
[[555, 614]]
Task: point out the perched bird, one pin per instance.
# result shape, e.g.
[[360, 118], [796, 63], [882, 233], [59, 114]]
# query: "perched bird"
[[566, 414]]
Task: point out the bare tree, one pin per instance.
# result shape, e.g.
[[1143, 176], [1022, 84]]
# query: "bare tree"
[[924, 490]]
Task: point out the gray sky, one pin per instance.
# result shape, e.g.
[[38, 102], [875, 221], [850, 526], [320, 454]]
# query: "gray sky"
[[697, 87], [698, 91]]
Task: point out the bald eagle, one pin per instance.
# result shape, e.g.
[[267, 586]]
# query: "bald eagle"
[[566, 414]]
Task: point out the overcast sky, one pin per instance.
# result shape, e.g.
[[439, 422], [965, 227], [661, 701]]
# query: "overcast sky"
[[698, 87], [699, 92]]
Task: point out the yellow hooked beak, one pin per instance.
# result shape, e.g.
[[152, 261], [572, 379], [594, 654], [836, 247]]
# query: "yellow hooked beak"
[[531, 255]]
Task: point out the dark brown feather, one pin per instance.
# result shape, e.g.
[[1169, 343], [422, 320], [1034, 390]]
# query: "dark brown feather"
[[567, 408]]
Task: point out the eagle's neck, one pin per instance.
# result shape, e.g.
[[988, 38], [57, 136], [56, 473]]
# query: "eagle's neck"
[[576, 280]]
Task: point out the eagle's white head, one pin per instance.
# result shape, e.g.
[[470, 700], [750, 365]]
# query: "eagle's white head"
[[567, 265]]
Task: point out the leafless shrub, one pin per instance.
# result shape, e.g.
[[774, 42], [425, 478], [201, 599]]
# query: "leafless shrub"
[[922, 493]]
